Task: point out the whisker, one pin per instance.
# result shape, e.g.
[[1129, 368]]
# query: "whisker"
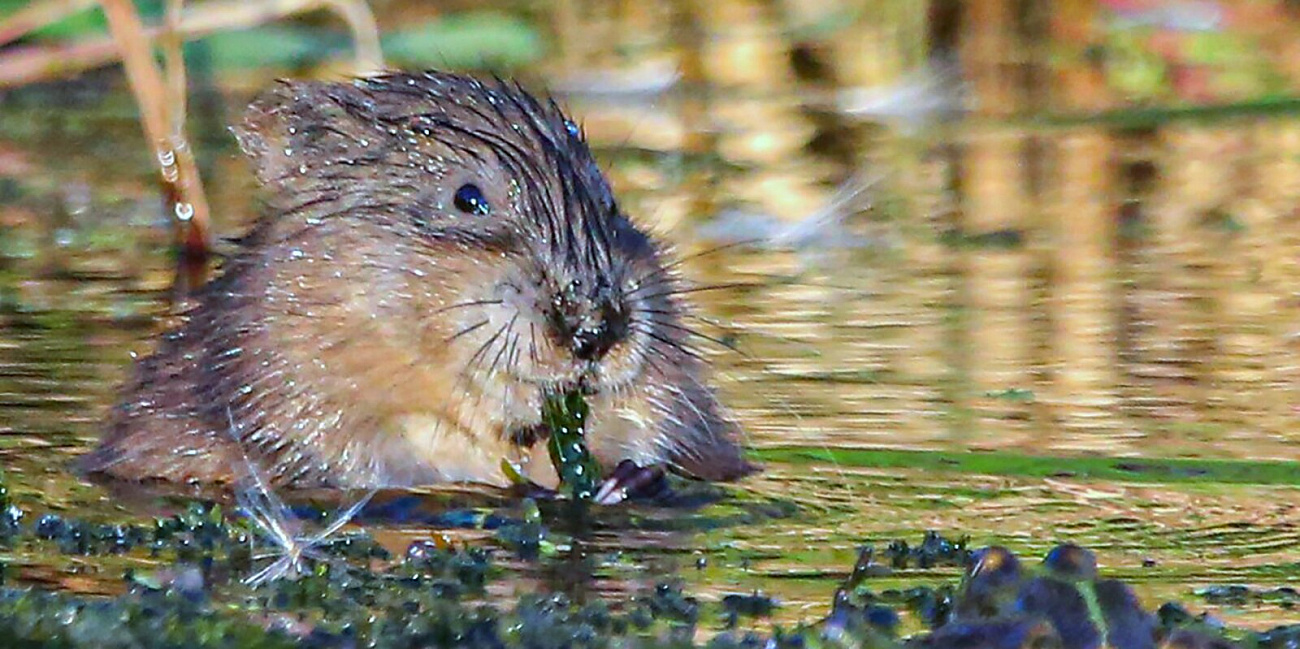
[[677, 263], [774, 279], [462, 305], [699, 289], [693, 332], [649, 354], [670, 342], [479, 353], [532, 343], [508, 329], [466, 330], [275, 514]]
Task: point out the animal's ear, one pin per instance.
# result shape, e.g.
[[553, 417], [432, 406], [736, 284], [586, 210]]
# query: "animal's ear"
[[294, 128], [323, 145], [267, 130]]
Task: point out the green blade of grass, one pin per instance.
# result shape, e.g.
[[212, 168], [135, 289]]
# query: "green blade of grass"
[[1119, 469]]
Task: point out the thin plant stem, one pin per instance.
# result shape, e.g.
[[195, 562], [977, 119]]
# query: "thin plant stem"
[[174, 66], [37, 15], [180, 172], [24, 64], [34, 63], [162, 98], [365, 33], [259, 502]]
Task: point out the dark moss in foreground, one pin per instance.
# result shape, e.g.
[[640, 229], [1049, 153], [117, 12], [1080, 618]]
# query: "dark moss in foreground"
[[1240, 595], [436, 595], [41, 619]]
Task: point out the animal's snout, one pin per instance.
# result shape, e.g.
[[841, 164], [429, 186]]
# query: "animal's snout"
[[590, 325], [600, 332]]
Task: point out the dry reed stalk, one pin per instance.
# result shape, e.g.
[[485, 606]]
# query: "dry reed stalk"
[[162, 104], [179, 171], [41, 63], [365, 33], [37, 15], [174, 65], [35, 63], [986, 50], [1252, 305], [241, 14], [1179, 337]]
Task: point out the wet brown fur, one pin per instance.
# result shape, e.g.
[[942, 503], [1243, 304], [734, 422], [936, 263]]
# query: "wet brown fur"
[[368, 333]]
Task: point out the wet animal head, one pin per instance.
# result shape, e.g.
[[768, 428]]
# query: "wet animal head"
[[485, 236]]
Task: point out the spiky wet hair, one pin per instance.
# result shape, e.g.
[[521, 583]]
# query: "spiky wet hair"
[[301, 117]]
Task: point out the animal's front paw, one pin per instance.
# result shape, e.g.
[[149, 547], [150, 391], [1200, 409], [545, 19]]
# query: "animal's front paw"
[[631, 482]]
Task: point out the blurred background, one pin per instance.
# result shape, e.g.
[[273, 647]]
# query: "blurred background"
[[1052, 229], [1061, 226]]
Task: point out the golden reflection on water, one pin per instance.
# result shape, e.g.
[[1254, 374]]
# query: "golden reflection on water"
[[1140, 297], [1039, 277]]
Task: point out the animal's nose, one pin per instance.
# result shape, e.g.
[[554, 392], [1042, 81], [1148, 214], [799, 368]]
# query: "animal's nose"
[[594, 330], [602, 330]]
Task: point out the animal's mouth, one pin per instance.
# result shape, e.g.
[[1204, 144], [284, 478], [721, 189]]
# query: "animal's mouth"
[[588, 380]]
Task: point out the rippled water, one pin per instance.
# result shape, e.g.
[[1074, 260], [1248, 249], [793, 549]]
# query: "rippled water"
[[1029, 320]]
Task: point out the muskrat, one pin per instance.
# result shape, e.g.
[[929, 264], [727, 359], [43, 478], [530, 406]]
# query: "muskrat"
[[441, 252]]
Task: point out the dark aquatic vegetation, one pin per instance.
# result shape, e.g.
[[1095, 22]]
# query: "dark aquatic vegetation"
[[1237, 594], [527, 538], [934, 550], [753, 605], [434, 597]]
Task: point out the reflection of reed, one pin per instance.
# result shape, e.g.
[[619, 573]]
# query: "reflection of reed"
[[1275, 339], [1253, 231], [995, 203], [998, 334], [1082, 291]]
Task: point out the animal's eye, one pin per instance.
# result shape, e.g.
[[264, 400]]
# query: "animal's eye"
[[470, 200]]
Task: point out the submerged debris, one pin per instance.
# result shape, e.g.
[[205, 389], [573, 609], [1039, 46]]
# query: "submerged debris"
[[292, 551], [277, 524]]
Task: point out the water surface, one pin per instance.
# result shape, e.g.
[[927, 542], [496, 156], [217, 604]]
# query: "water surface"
[[1028, 328]]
